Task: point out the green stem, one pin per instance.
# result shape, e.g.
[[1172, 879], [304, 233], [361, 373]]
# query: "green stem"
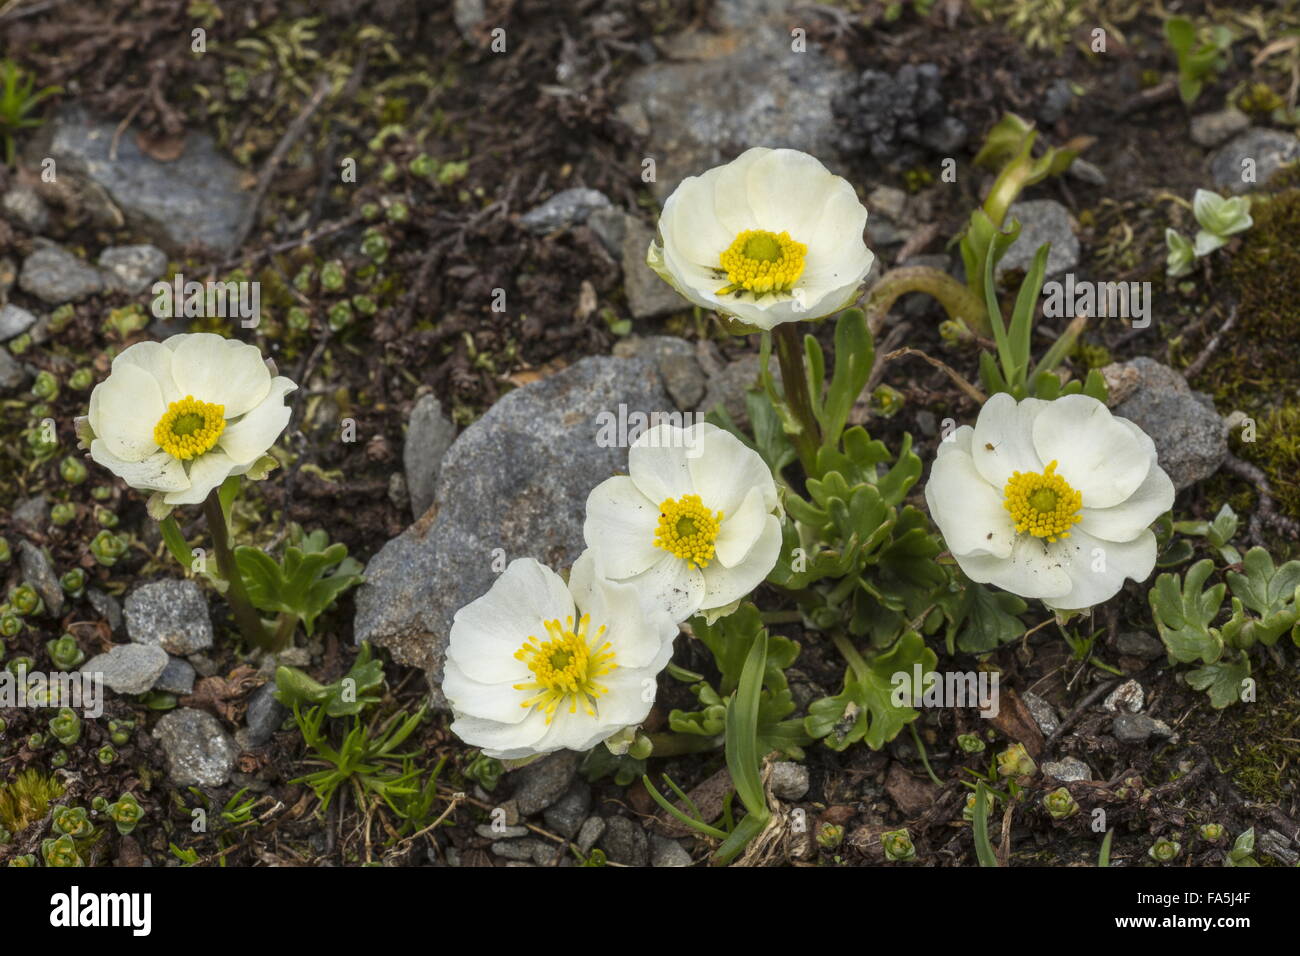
[[246, 616], [675, 745], [920, 749], [957, 299], [807, 438], [851, 655]]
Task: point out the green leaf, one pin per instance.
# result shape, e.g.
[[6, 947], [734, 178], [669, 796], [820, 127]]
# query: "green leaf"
[[854, 357], [1183, 615], [175, 541], [1022, 316], [1272, 593], [980, 827], [1221, 679], [982, 619]]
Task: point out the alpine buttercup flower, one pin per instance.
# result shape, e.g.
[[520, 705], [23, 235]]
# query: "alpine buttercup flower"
[[692, 522], [535, 666], [179, 417], [1050, 500], [770, 237]]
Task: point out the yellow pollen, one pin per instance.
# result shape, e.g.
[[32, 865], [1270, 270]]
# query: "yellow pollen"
[[688, 529], [1043, 505], [565, 668], [759, 261], [189, 427]]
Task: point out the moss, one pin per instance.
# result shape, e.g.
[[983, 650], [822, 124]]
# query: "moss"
[[1259, 747], [27, 799]]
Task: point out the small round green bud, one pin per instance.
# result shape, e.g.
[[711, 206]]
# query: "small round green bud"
[[46, 386], [371, 211], [61, 316], [1016, 762], [898, 845], [10, 625], [303, 280], [99, 804], [72, 821], [1164, 851], [298, 318], [74, 582], [830, 835], [18, 666], [339, 316], [107, 547], [59, 760], [73, 470], [101, 492], [25, 601], [105, 518], [126, 813], [61, 852], [642, 747], [66, 654], [1213, 832], [62, 513], [886, 401], [1060, 804], [970, 743], [106, 755], [332, 276], [81, 379], [365, 305], [374, 246], [20, 344], [35, 741], [423, 165], [398, 211], [389, 172]]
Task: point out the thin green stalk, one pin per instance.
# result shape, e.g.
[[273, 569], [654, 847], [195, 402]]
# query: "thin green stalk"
[[674, 745], [846, 648], [246, 616], [955, 297], [807, 437]]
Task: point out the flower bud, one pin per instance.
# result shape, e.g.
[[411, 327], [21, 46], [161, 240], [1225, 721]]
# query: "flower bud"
[[830, 835], [73, 470], [1016, 762], [66, 654], [886, 401], [62, 513], [1060, 804], [108, 547], [970, 743], [1164, 851], [898, 845]]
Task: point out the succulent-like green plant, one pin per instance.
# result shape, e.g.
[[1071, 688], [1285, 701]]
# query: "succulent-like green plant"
[[24, 600], [72, 821], [66, 726], [107, 547], [1060, 804], [65, 652], [126, 813], [18, 101], [1016, 762], [898, 845], [61, 852], [1164, 850], [64, 512]]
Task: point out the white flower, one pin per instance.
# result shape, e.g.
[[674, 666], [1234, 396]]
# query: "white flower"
[[179, 417], [691, 524], [770, 237], [1218, 219], [534, 666], [1050, 500]]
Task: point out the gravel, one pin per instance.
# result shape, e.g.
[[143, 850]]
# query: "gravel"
[[199, 751], [128, 668], [171, 614]]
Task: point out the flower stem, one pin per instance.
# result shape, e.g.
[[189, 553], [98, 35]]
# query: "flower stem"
[[674, 745], [807, 437], [957, 300], [855, 661], [246, 616]]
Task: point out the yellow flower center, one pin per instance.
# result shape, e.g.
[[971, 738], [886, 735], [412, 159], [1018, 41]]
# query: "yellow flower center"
[[189, 427], [566, 667], [759, 261], [688, 529], [1043, 505]]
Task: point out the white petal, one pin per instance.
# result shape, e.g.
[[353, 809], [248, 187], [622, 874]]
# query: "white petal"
[[1032, 571], [499, 702], [1096, 454], [789, 190], [156, 359], [740, 529], [730, 187], [723, 585], [658, 460], [620, 525], [248, 439], [124, 408], [1098, 568], [1003, 442], [723, 470], [226, 372], [968, 510], [207, 472], [1128, 519], [672, 585], [159, 472], [503, 741], [631, 694], [959, 441]]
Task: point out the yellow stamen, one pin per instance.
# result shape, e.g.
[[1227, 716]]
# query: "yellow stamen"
[[1043, 505], [688, 529], [760, 261], [189, 428], [566, 667]]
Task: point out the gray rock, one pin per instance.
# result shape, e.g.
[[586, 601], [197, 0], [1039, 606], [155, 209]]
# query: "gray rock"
[[633, 116], [128, 668], [1211, 129], [107, 607], [569, 207], [1086, 172], [567, 814], [1268, 148], [1044, 714], [490, 831], [8, 276], [648, 296], [171, 614], [609, 223], [1056, 100], [12, 374], [177, 677], [544, 781], [198, 197], [1140, 644], [1191, 440], [22, 206], [32, 511], [56, 276], [429, 434], [1041, 220], [265, 714], [789, 780], [729, 387], [522, 849], [1137, 728], [720, 94], [666, 852], [624, 841], [38, 571], [887, 201], [199, 751], [678, 366], [132, 268], [591, 831], [14, 321], [469, 16], [1067, 769], [510, 481], [1277, 846], [1128, 697]]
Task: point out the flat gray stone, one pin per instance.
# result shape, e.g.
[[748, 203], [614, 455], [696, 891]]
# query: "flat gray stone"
[[1191, 440], [789, 780], [56, 276], [1041, 220], [14, 321], [177, 677], [569, 207], [38, 571], [128, 668], [566, 815], [265, 715], [12, 374], [648, 296], [678, 366], [591, 831], [198, 197], [544, 781], [23, 207], [609, 223], [199, 751], [1268, 148], [171, 614], [1044, 713], [1137, 728], [666, 852], [108, 607], [132, 268], [515, 480], [1211, 129], [1141, 645], [429, 434], [1067, 769], [625, 841]]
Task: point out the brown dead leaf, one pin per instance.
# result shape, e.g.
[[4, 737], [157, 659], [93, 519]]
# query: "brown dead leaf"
[[912, 794], [1016, 722], [165, 149]]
